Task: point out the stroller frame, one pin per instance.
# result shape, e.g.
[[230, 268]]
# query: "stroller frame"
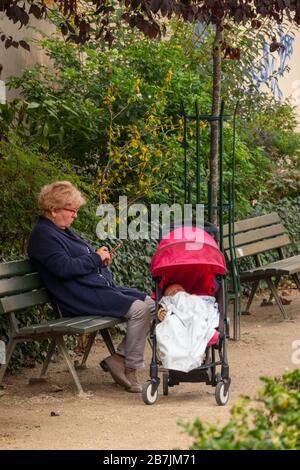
[[207, 372]]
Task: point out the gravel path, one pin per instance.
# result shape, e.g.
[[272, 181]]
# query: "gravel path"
[[110, 418]]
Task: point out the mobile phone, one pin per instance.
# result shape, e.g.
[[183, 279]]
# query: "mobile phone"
[[113, 250]]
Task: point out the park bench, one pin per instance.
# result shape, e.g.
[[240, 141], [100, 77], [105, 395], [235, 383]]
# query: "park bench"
[[22, 288], [254, 237]]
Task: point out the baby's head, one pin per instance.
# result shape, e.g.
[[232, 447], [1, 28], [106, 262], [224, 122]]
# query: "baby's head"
[[172, 289]]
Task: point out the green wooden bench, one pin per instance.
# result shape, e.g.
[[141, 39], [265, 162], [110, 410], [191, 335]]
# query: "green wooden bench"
[[254, 237], [20, 289]]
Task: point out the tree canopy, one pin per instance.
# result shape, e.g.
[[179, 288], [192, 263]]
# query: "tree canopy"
[[83, 19]]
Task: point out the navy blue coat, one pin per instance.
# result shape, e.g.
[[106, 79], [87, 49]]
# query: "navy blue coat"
[[74, 275]]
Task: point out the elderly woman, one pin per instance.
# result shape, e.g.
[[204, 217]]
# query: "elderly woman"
[[78, 278]]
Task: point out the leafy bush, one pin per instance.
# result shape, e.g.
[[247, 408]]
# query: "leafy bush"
[[23, 171], [271, 423], [113, 115], [273, 128]]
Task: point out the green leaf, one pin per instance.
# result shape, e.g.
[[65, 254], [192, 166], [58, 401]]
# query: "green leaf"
[[33, 105], [45, 129]]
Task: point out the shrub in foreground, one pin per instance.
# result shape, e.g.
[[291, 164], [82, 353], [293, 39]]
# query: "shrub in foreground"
[[271, 422]]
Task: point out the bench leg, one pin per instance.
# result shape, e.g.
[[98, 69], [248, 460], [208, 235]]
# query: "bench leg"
[[296, 280], [276, 285], [89, 345], [63, 350], [9, 351], [48, 359], [251, 297], [277, 298], [107, 340]]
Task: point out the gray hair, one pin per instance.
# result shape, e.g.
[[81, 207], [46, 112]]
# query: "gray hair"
[[58, 195]]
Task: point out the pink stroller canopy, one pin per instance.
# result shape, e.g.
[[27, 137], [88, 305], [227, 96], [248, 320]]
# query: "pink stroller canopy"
[[188, 256]]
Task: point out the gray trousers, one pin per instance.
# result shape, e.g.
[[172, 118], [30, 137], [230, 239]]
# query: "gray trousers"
[[132, 346]]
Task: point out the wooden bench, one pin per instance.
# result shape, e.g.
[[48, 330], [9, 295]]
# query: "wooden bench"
[[254, 237], [20, 289]]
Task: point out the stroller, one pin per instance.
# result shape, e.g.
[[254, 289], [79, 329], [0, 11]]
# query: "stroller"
[[200, 268]]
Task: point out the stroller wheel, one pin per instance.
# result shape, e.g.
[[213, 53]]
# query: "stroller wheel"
[[147, 396], [165, 383], [221, 393]]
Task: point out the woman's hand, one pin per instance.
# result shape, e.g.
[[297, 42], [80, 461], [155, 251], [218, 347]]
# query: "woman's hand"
[[106, 257], [161, 314]]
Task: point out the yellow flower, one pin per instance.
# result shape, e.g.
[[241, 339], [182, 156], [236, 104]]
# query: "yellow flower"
[[134, 143], [169, 76], [137, 86]]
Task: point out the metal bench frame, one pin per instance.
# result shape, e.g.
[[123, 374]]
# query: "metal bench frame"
[[21, 288], [254, 237]]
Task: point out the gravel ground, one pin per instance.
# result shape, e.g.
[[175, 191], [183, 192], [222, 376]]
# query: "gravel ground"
[[110, 418]]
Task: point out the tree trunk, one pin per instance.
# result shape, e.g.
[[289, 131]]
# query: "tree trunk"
[[216, 103]]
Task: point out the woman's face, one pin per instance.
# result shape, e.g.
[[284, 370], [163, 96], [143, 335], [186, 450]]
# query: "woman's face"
[[63, 218]]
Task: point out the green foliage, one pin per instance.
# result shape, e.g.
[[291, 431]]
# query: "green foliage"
[[273, 127], [132, 263], [23, 171], [271, 423], [252, 171], [114, 115], [251, 166]]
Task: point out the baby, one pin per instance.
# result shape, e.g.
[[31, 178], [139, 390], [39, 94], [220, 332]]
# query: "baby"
[[187, 327], [170, 290]]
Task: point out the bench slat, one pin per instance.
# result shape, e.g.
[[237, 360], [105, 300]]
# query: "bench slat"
[[74, 325], [43, 327], [261, 247], [256, 235], [19, 284], [253, 274], [15, 268], [254, 222], [290, 265], [88, 325], [29, 299]]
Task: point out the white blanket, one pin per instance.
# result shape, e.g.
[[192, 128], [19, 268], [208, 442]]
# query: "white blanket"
[[183, 335]]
